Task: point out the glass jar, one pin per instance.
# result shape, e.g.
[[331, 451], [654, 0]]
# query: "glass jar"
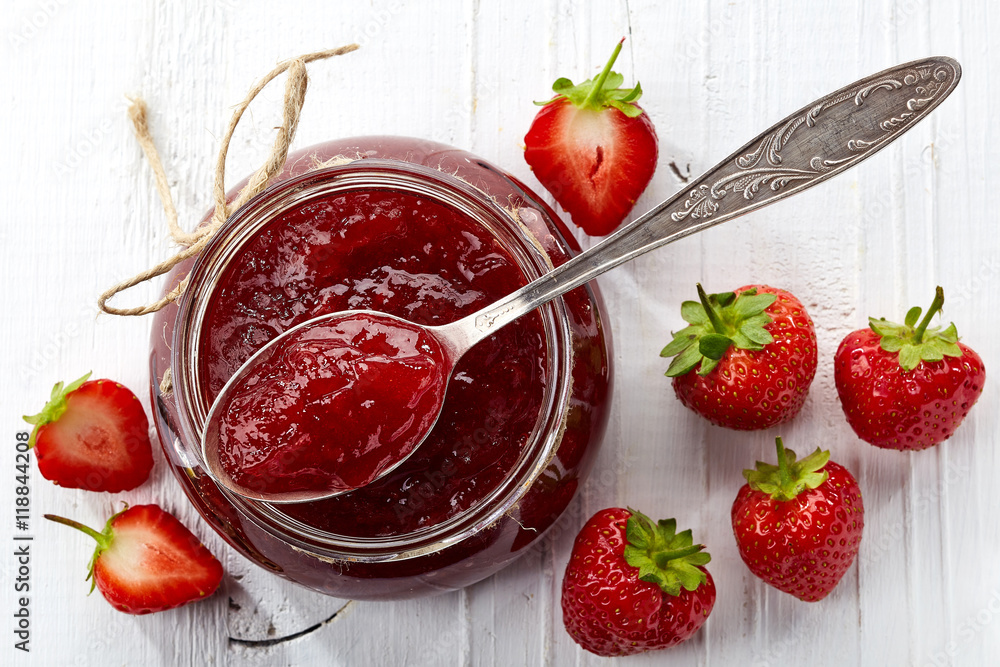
[[490, 485]]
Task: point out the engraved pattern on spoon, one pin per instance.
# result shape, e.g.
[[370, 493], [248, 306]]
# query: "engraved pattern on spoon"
[[926, 81]]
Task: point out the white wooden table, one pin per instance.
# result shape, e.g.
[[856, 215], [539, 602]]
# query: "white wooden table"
[[81, 213]]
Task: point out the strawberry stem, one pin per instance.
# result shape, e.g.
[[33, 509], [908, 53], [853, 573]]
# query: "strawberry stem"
[[54, 409], [595, 92], [713, 316], [784, 473], [102, 540], [918, 335], [790, 477]]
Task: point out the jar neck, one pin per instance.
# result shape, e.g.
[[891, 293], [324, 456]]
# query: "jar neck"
[[368, 175]]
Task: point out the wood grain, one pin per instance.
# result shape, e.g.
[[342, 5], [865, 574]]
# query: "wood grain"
[[82, 214]]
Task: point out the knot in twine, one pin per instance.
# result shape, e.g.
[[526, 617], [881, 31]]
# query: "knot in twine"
[[194, 242]]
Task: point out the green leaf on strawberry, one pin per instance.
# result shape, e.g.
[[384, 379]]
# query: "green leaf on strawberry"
[[664, 557], [718, 322], [147, 561], [94, 435], [798, 524], [55, 408], [789, 478], [603, 91], [103, 538], [918, 342], [593, 148]]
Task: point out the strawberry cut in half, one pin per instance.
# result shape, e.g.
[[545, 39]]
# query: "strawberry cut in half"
[[798, 524], [635, 585], [92, 435], [907, 386], [593, 148], [147, 561]]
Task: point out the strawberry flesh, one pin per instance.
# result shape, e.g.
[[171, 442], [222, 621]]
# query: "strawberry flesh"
[[93, 436], [594, 149], [147, 561]]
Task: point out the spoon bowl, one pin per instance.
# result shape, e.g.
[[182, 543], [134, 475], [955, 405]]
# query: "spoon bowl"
[[406, 366]]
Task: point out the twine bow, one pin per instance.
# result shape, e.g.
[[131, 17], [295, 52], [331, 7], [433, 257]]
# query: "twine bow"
[[195, 241]]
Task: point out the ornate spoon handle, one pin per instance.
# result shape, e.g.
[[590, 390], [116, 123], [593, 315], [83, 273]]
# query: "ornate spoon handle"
[[819, 141]]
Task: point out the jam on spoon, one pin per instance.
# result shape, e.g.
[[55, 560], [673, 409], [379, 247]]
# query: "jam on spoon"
[[332, 406]]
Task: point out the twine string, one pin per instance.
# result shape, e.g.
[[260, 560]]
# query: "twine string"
[[195, 241]]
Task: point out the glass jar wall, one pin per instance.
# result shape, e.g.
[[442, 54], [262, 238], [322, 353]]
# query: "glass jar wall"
[[430, 233]]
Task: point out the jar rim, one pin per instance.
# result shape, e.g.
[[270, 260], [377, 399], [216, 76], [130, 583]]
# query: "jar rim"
[[376, 174]]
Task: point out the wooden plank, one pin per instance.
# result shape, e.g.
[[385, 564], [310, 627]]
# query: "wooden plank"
[[82, 214]]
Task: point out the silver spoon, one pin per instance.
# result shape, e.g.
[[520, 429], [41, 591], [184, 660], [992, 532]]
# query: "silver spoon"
[[819, 141]]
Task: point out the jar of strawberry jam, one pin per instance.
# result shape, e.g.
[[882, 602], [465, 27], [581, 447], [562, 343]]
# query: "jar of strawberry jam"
[[429, 233]]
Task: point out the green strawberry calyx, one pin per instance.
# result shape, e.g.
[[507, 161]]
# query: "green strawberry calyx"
[[604, 91], [104, 538], [664, 557], [916, 342], [716, 323], [789, 478], [54, 409]]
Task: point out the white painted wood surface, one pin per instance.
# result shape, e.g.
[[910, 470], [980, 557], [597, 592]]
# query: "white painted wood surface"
[[80, 213]]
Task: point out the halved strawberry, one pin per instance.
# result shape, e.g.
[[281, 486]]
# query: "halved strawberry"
[[92, 435], [147, 561], [593, 148]]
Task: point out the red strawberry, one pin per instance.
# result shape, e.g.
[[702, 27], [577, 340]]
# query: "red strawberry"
[[593, 148], [632, 585], [907, 386], [147, 561], [755, 353], [798, 524], [92, 435]]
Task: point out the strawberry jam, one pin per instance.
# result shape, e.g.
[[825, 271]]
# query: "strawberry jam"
[[428, 233], [332, 405], [406, 256]]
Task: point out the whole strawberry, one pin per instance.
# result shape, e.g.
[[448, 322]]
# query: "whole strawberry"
[[798, 524], [633, 585], [593, 148], [747, 359], [147, 561], [92, 435], [907, 386]]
